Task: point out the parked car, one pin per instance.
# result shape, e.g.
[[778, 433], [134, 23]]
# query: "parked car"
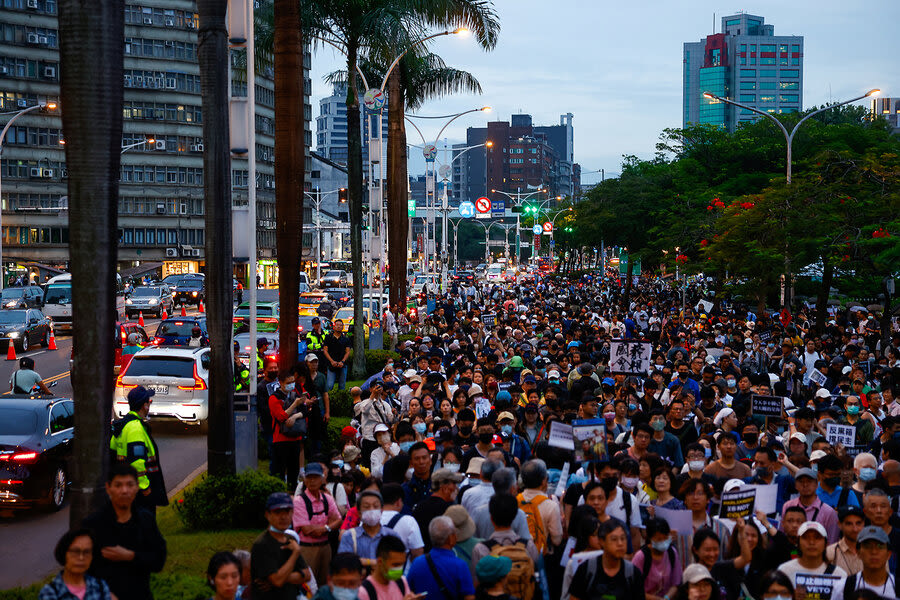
[[334, 278], [29, 296], [35, 451], [179, 378], [24, 327], [150, 299], [177, 331]]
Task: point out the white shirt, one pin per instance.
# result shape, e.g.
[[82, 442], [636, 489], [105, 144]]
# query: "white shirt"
[[616, 508], [379, 457], [809, 361], [885, 590], [406, 528], [792, 567]]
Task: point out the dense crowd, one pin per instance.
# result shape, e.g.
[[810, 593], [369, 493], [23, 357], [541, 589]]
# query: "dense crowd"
[[556, 440]]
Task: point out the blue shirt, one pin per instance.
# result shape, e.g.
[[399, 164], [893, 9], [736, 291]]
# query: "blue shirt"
[[452, 570], [832, 498], [688, 386], [414, 491], [669, 448], [365, 544]]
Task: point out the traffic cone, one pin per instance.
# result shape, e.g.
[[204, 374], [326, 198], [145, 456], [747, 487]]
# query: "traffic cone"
[[11, 353], [52, 345], [141, 318], [183, 311], [164, 315], [200, 307]]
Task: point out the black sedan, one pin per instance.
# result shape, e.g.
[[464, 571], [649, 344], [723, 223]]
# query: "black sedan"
[[35, 451], [189, 291], [24, 327], [339, 296], [463, 276], [29, 296]]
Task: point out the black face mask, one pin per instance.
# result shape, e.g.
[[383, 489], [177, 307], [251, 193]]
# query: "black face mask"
[[466, 431], [272, 375], [751, 438], [485, 438], [609, 484], [832, 482], [682, 376]]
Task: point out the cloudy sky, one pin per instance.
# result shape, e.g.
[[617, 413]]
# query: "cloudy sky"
[[617, 65]]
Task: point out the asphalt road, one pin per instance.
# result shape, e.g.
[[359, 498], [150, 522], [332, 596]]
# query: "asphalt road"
[[27, 538]]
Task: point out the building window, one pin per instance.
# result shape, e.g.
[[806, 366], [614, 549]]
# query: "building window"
[[795, 62], [790, 73], [789, 97], [743, 60], [766, 99], [767, 73], [767, 61], [795, 48], [767, 85], [743, 47], [748, 98], [767, 48], [782, 48], [748, 72], [748, 85], [789, 85]]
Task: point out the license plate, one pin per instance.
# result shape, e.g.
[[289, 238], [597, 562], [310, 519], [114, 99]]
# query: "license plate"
[[159, 389]]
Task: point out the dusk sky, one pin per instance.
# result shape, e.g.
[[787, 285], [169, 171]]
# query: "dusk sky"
[[617, 66]]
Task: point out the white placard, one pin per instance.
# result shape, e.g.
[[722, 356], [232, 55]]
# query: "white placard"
[[840, 434], [766, 497], [630, 357], [817, 377], [681, 521], [563, 480], [561, 436]]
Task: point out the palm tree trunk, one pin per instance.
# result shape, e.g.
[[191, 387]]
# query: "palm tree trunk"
[[355, 192], [289, 172], [822, 298], [91, 55], [212, 54], [397, 190]]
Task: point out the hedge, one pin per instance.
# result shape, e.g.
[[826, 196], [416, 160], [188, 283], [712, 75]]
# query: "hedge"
[[214, 502]]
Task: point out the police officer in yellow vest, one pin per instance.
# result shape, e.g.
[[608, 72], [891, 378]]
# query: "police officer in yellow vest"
[[262, 346], [315, 339], [241, 373], [133, 444]]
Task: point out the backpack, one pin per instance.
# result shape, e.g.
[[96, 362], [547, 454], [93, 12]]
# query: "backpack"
[[648, 559], [593, 567], [309, 507], [373, 595], [520, 582], [534, 519]]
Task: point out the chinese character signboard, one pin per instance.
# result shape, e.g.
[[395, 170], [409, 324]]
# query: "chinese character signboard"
[[630, 357]]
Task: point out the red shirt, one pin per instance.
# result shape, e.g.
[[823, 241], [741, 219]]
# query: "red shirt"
[[279, 416]]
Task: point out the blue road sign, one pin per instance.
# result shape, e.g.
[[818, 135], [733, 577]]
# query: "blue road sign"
[[498, 207], [466, 210], [537, 229]]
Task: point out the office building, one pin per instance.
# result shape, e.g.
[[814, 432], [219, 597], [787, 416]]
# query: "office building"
[[889, 108], [331, 128], [748, 63], [161, 205]]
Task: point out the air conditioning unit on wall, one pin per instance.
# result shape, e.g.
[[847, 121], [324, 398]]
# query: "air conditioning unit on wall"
[[171, 252]]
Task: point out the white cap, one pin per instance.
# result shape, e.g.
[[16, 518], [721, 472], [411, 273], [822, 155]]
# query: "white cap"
[[475, 390], [817, 455], [409, 373], [552, 373], [798, 436], [732, 484], [813, 526], [381, 427], [823, 393], [846, 370], [723, 414]]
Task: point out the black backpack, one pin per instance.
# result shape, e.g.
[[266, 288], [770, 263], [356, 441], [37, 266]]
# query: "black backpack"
[[648, 559]]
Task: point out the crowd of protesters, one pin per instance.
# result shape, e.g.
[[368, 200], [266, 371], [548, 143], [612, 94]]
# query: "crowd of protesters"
[[452, 480]]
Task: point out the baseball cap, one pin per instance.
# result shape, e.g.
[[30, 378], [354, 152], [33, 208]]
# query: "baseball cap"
[[262, 342], [506, 416], [529, 379], [348, 431], [798, 436], [381, 427], [805, 473], [315, 320], [818, 528], [530, 407], [444, 475], [475, 390], [313, 468], [872, 533], [696, 573], [311, 357], [138, 396], [279, 501], [553, 374], [609, 381], [817, 455]]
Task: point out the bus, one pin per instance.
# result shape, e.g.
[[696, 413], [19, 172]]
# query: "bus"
[[58, 300]]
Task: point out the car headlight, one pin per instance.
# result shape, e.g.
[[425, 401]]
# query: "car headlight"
[[153, 301], [13, 334], [129, 301], [11, 304], [193, 293]]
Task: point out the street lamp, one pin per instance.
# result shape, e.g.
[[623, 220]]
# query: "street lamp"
[[789, 136], [46, 107], [517, 199], [125, 149], [317, 199]]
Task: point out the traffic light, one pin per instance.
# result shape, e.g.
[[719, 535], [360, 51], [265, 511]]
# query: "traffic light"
[[516, 209], [342, 195]]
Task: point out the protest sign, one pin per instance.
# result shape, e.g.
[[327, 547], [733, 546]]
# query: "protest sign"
[[737, 504], [489, 320], [630, 357], [818, 587], [767, 406], [854, 451], [590, 439], [817, 377], [561, 436], [681, 521], [765, 336], [563, 480], [766, 497], [840, 434]]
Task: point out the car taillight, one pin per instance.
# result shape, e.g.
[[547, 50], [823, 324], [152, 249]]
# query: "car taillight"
[[268, 319], [20, 457], [300, 328], [158, 340], [119, 383], [199, 384]]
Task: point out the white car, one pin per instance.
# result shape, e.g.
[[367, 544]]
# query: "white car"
[[494, 274], [431, 281], [178, 376]]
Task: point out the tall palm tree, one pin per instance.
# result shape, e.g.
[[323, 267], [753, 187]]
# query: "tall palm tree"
[[357, 25], [212, 54], [289, 171], [91, 55]]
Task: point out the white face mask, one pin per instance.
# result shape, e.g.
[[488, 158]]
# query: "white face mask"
[[696, 465], [371, 517]]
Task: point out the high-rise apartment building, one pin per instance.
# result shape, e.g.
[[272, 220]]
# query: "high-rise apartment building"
[[748, 63], [331, 128], [161, 201], [889, 108]]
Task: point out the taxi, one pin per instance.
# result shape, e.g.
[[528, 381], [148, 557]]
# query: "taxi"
[[310, 301], [345, 314]]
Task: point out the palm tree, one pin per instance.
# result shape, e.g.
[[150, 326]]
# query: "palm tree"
[[353, 26], [91, 55], [212, 54]]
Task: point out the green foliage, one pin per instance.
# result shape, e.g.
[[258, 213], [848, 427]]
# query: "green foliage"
[[376, 359], [400, 339], [212, 504], [179, 586], [333, 433], [340, 402], [27, 593]]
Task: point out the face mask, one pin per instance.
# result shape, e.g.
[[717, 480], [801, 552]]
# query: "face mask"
[[696, 465], [707, 452], [867, 474], [632, 406], [405, 446], [609, 483], [466, 431], [730, 382], [340, 593], [272, 375], [779, 598], [394, 574], [661, 546], [420, 427], [543, 353], [853, 410], [682, 376], [506, 429], [371, 517], [485, 438], [630, 482], [337, 463], [832, 482], [289, 387], [762, 473], [657, 424], [452, 467], [751, 438]]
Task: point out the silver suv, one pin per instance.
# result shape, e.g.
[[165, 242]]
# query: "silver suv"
[[180, 378], [150, 299]]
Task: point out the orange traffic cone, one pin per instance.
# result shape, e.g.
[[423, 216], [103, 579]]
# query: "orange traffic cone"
[[200, 307], [164, 315], [183, 311], [141, 318], [52, 345], [11, 353]]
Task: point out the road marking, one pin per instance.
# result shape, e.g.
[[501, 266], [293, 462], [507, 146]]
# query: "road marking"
[[57, 377], [187, 480]]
